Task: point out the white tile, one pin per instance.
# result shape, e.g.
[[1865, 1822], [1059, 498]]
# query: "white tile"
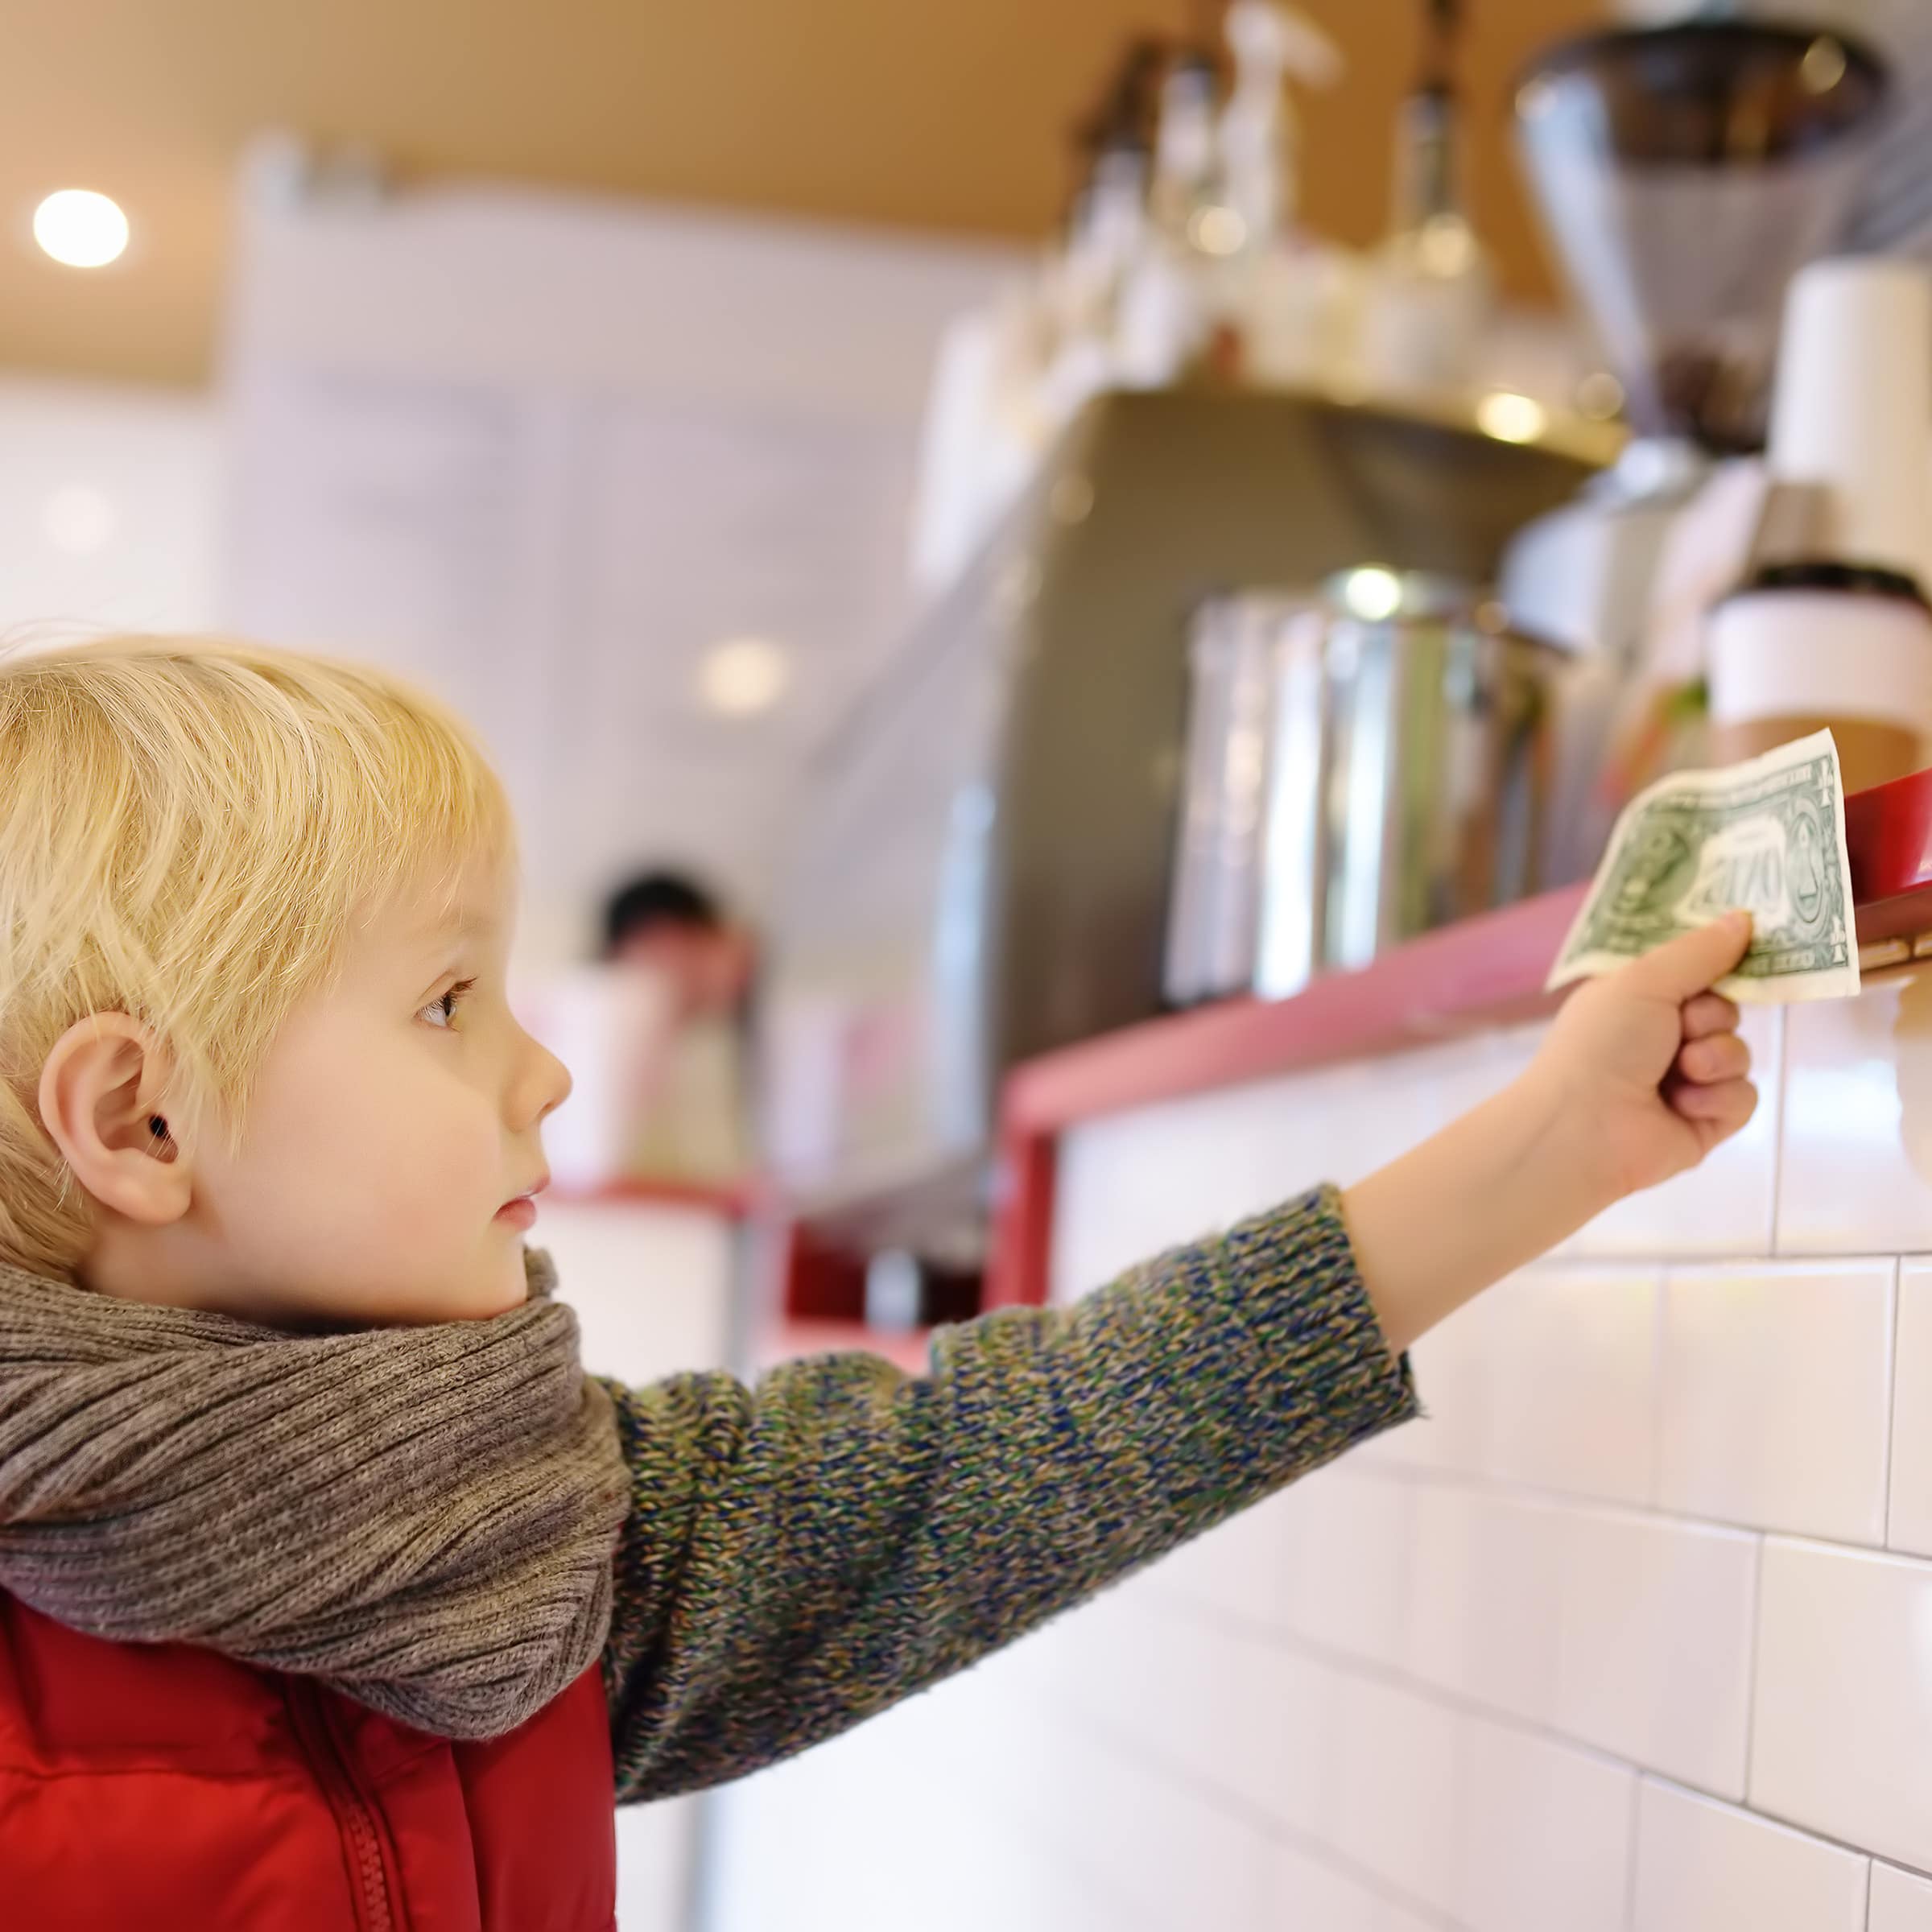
[[1095, 1653], [1399, 1785], [1345, 1558], [1394, 1918], [1725, 1207], [1233, 1710], [1856, 1170], [1547, 1835], [797, 1842], [1548, 1380], [1653, 1644], [1236, 1569], [1910, 1523], [1902, 1901], [1777, 1397], [655, 1844], [1150, 1840], [1303, 1892], [1454, 1366], [1484, 1603], [1295, 1705], [1703, 1866], [1134, 1184], [1841, 1730], [1571, 1390]]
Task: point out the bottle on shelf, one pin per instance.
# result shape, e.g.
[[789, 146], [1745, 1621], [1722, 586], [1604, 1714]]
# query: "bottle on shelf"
[[1185, 162], [1430, 292], [1166, 311], [1287, 295], [1106, 233]]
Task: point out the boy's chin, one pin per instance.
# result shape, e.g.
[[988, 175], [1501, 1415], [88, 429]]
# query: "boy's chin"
[[494, 1290], [508, 1289]]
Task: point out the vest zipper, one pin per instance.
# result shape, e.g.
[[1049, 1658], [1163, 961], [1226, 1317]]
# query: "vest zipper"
[[361, 1830]]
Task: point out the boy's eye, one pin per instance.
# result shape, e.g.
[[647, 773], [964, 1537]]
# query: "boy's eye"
[[442, 1010]]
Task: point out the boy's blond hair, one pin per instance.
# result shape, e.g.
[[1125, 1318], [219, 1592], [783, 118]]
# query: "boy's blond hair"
[[188, 828]]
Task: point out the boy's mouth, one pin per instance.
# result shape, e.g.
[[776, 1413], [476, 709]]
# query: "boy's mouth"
[[520, 1211]]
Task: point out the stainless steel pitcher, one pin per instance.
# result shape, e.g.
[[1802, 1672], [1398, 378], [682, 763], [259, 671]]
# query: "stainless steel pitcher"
[[1364, 764]]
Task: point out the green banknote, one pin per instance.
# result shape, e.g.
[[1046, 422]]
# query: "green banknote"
[[1769, 837]]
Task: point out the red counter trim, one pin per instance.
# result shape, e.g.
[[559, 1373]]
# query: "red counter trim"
[[1482, 972], [728, 1201], [1889, 834]]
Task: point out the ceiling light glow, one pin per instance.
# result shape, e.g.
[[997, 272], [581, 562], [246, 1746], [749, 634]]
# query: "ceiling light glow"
[[743, 676], [80, 228]]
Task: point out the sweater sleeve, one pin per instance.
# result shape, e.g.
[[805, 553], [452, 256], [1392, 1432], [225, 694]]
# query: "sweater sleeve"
[[802, 1554]]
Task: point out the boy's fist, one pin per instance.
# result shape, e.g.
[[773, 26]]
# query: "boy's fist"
[[1648, 1060]]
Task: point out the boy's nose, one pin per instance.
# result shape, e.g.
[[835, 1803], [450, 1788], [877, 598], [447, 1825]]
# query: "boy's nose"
[[544, 1085], [557, 1083]]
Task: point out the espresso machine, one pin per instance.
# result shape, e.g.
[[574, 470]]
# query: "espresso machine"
[[1683, 173]]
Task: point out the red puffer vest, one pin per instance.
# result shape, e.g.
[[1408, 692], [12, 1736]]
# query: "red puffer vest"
[[168, 1788]]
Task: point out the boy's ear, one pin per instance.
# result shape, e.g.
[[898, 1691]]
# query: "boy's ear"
[[101, 1103]]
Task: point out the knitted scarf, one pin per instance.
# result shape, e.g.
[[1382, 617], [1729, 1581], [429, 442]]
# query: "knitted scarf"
[[422, 1517]]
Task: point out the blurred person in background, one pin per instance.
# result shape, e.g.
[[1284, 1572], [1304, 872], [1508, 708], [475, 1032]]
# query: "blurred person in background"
[[667, 923], [669, 933]]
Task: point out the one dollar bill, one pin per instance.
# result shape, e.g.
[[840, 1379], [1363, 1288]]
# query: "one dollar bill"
[[1768, 836]]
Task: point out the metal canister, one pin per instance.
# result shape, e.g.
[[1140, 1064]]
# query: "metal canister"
[[1364, 763], [1232, 768], [1437, 737]]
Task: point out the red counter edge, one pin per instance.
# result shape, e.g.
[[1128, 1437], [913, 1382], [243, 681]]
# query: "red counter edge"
[[1481, 972]]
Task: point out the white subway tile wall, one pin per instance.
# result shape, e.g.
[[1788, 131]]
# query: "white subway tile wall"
[[1702, 1866], [1571, 1382], [1842, 1700], [1910, 1521], [1545, 1832], [1777, 1395], [1857, 1141], [1652, 1640], [1485, 1577], [1900, 1902], [1634, 1634]]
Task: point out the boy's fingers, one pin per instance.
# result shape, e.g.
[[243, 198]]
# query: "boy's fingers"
[[1727, 1107], [1688, 965], [1717, 1058], [1709, 1013]]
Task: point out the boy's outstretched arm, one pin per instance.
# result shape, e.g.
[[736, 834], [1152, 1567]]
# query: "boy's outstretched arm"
[[801, 1555]]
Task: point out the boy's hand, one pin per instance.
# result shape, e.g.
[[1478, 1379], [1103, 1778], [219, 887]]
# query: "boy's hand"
[[1642, 1075], [1646, 1064]]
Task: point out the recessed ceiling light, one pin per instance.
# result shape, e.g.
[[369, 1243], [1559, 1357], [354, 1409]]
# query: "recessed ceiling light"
[[743, 676], [80, 228]]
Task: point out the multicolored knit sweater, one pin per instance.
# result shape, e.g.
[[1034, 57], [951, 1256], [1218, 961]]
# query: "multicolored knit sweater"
[[801, 1555]]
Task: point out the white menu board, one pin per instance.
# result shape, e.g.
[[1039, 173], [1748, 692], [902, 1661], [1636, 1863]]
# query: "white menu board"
[[486, 497]]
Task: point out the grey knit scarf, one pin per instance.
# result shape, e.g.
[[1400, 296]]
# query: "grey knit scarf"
[[424, 1517]]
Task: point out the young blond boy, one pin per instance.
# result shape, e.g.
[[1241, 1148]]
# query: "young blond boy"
[[333, 1593]]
